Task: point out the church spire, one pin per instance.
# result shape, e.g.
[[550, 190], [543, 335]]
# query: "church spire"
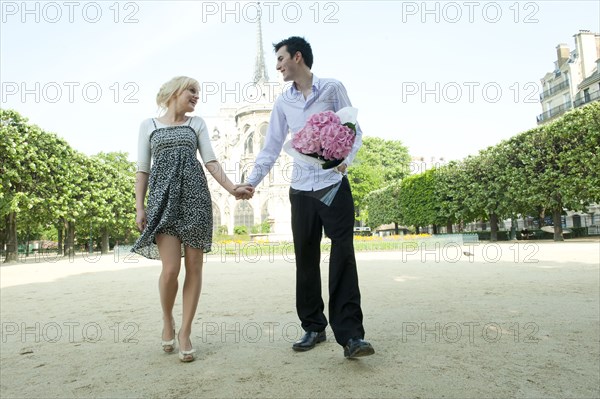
[[260, 71]]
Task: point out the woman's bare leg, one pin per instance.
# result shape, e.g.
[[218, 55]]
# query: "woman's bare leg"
[[169, 248], [192, 286]]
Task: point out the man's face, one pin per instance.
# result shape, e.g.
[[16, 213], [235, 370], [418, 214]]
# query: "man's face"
[[285, 64]]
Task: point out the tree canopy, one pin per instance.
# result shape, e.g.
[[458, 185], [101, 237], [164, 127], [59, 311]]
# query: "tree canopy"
[[544, 170], [46, 184]]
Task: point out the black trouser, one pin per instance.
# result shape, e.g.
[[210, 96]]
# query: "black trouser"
[[309, 217]]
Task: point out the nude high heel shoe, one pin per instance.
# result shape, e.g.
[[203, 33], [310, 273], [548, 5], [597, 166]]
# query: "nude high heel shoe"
[[186, 356], [169, 346]]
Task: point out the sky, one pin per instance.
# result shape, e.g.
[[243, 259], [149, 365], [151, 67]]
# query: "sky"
[[446, 78]]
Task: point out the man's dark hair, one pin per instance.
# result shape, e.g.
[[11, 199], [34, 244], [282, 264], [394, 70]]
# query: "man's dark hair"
[[295, 44]]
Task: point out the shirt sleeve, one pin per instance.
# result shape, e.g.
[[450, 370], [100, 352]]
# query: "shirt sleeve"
[[276, 133], [204, 146], [344, 101], [144, 153]]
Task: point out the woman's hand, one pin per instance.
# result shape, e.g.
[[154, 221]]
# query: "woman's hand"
[[140, 219], [243, 191]]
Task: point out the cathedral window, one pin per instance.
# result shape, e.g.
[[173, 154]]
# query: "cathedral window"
[[249, 146], [244, 214]]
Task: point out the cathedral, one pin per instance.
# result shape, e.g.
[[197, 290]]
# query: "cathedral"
[[237, 135]]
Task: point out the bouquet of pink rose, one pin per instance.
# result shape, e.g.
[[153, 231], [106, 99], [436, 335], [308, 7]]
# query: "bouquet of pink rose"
[[327, 138]]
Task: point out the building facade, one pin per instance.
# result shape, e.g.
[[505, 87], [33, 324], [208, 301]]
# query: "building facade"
[[237, 133], [574, 80], [589, 88]]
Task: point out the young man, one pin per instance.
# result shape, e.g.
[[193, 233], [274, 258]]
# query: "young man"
[[320, 199]]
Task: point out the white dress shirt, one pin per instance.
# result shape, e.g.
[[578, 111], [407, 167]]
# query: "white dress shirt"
[[290, 113]]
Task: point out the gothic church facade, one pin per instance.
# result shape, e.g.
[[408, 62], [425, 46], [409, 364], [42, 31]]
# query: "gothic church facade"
[[238, 134]]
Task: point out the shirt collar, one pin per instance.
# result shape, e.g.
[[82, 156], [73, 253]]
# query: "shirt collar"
[[316, 84]]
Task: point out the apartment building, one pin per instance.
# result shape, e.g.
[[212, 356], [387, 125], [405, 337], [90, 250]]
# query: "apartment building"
[[575, 80]]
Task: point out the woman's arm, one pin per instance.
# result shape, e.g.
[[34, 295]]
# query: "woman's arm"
[[215, 169], [141, 186]]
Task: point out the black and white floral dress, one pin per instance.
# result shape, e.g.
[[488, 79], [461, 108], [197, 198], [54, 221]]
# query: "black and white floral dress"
[[179, 202]]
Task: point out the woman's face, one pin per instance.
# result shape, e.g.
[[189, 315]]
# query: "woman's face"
[[187, 100]]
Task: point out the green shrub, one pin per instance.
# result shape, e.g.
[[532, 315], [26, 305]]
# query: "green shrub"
[[265, 227], [240, 230]]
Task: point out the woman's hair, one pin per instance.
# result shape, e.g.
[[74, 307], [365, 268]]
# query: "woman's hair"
[[173, 87]]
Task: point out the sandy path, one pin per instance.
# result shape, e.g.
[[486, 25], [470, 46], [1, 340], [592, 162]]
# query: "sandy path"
[[511, 321]]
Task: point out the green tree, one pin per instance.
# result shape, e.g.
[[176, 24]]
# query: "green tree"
[[378, 163], [44, 183], [562, 167], [27, 177], [450, 191], [417, 200], [109, 205], [488, 187], [383, 206]]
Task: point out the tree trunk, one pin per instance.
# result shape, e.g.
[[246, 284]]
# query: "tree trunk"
[[27, 246], [513, 228], [12, 249], [417, 230], [449, 227], [60, 227], [396, 231], [435, 229], [541, 217], [70, 240], [493, 227], [104, 246], [3, 233], [557, 224]]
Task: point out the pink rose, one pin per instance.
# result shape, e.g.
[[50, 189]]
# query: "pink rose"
[[324, 135]]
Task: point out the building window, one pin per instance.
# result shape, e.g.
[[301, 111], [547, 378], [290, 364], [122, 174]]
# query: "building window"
[[244, 214], [263, 133], [264, 213], [249, 145]]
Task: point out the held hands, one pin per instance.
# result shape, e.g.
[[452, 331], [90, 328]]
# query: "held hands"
[[243, 191]]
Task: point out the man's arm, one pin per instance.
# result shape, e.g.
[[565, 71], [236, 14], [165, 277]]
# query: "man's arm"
[[276, 134]]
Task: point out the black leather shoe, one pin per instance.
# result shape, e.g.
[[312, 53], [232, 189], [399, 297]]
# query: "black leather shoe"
[[357, 347], [309, 340]]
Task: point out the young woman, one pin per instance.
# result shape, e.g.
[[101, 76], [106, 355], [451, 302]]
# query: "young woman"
[[177, 221]]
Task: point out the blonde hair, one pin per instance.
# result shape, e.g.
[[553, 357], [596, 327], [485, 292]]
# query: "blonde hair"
[[173, 87]]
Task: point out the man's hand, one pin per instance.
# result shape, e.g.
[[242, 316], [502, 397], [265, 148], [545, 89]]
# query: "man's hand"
[[243, 191], [341, 168]]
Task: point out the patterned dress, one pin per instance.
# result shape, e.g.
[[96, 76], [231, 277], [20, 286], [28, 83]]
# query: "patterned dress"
[[179, 203]]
